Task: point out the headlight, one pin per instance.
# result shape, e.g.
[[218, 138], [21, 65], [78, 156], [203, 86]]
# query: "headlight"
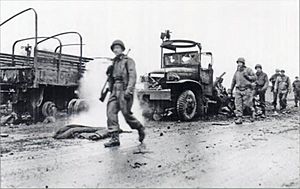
[[157, 75], [172, 77]]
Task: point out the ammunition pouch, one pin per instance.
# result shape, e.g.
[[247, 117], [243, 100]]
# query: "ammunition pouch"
[[244, 87]]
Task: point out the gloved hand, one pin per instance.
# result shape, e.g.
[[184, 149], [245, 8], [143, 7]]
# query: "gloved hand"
[[128, 94], [246, 75]]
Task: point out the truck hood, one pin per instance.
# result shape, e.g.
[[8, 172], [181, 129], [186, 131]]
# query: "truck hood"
[[173, 70], [182, 72]]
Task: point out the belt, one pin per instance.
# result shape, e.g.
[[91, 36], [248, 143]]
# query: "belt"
[[118, 78], [243, 88]]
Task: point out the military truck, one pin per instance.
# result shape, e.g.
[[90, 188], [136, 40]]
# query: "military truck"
[[183, 86], [39, 85]]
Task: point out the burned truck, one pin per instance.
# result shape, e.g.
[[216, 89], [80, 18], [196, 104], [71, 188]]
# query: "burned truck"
[[39, 85], [183, 86]]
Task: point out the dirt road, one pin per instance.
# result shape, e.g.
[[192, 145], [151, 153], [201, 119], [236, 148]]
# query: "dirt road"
[[194, 154]]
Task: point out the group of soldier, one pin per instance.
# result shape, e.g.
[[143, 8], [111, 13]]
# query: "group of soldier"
[[249, 85]]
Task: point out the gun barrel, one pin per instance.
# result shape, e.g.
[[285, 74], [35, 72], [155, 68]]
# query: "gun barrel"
[[222, 74]]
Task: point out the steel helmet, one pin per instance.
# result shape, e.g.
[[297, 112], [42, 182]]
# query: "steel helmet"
[[117, 42], [241, 59], [258, 66]]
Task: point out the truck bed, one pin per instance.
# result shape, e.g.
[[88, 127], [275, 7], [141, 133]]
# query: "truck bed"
[[51, 69]]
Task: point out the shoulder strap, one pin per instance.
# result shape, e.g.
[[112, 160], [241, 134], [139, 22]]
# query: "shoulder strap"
[[126, 64]]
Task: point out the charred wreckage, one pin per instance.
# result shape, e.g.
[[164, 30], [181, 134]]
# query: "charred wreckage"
[[35, 87]]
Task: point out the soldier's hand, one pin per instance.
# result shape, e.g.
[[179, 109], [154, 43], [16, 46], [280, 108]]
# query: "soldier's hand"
[[128, 94], [245, 74]]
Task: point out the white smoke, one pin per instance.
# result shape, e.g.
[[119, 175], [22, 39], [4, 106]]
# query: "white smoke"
[[90, 89]]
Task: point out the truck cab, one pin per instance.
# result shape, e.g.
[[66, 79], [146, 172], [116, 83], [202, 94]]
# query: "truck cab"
[[183, 83]]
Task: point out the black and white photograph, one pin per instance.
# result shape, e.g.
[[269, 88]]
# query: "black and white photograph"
[[149, 94]]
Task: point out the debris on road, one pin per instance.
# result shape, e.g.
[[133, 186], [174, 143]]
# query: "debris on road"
[[4, 135]]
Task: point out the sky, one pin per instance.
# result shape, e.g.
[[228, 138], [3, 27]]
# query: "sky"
[[262, 31]]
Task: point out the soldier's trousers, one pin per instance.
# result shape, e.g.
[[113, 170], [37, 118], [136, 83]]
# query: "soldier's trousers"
[[116, 103], [262, 100], [243, 100], [297, 96], [282, 99], [275, 94]]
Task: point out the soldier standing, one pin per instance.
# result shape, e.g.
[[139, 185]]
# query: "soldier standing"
[[243, 80], [283, 87], [261, 86], [121, 98], [275, 94], [296, 89]]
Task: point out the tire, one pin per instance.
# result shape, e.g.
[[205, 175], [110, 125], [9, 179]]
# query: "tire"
[[186, 105], [49, 109], [80, 106], [71, 106]]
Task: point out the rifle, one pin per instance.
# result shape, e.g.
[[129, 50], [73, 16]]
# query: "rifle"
[[104, 91], [107, 85], [218, 78]]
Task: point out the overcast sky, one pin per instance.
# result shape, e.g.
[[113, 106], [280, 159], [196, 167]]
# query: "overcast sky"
[[265, 31]]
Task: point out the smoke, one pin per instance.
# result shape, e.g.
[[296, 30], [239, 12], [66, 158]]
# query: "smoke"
[[90, 89]]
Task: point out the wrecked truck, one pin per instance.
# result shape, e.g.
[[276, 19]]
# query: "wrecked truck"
[[41, 82], [183, 86]]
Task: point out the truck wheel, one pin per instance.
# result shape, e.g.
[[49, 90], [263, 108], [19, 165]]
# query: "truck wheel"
[[71, 106], [80, 106], [49, 109], [186, 105]]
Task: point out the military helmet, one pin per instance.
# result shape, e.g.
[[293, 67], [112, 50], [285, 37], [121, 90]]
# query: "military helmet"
[[258, 66], [282, 71], [241, 59], [117, 42]]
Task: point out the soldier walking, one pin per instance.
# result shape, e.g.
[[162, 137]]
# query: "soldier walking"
[[261, 86], [275, 93], [283, 87], [243, 80], [123, 80], [296, 89]]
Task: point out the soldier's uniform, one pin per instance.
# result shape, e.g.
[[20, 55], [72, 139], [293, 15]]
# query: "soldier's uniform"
[[282, 87], [296, 89], [243, 80], [275, 93], [121, 97], [261, 86]]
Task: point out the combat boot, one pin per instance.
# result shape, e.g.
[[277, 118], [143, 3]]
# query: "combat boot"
[[238, 121], [141, 132], [114, 141]]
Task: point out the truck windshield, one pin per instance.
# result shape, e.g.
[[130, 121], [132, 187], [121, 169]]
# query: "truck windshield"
[[182, 58]]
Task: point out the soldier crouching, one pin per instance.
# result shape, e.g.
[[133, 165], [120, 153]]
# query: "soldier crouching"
[[121, 98]]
